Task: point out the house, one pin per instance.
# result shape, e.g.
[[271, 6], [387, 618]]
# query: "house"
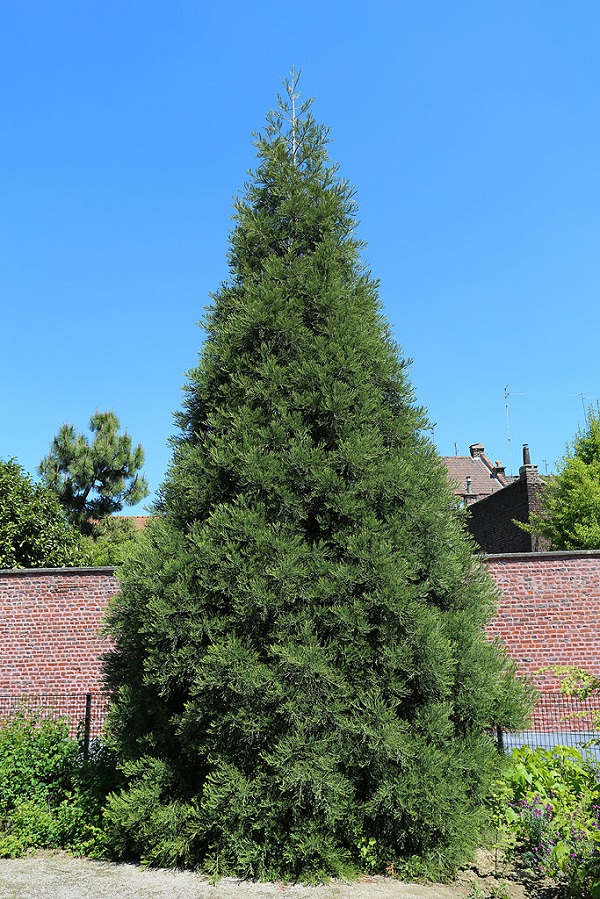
[[475, 477], [496, 502]]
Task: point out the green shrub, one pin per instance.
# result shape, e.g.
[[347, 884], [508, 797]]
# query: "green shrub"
[[551, 805], [50, 796], [34, 531], [111, 540]]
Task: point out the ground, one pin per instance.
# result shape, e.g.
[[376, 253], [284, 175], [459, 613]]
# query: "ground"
[[58, 876]]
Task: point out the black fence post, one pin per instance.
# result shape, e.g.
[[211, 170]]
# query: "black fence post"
[[87, 725], [500, 738]]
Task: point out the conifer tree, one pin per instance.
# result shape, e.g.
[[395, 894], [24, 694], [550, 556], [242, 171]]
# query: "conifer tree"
[[94, 479], [301, 682]]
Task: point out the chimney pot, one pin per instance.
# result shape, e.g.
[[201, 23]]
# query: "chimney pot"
[[527, 471]]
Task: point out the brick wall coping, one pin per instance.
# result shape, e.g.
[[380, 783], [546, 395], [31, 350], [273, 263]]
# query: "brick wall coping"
[[109, 569], [554, 554], [32, 572]]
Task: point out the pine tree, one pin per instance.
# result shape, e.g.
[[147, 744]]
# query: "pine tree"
[[300, 678], [94, 479]]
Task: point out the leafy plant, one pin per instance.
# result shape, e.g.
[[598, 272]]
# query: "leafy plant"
[[551, 800], [496, 892], [367, 849], [570, 502], [50, 797], [34, 531], [111, 540]]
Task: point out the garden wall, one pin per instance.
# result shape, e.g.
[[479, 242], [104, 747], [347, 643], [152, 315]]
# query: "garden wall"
[[49, 621], [549, 610], [548, 614]]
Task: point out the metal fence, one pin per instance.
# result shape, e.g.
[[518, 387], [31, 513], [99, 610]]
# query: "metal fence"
[[558, 721], [85, 712]]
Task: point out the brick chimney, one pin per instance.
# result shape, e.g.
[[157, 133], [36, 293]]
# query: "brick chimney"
[[527, 471], [477, 450], [499, 469], [531, 486]]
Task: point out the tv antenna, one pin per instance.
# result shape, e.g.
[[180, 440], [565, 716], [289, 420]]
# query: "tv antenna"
[[584, 406], [508, 393]]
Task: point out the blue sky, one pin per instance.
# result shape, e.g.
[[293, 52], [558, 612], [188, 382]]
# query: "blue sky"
[[472, 134]]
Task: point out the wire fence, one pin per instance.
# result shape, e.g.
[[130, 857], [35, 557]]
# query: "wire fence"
[[558, 721], [567, 713], [85, 712]]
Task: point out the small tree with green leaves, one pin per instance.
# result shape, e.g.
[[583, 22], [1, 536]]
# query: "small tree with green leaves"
[[570, 502], [94, 479], [111, 540], [301, 681], [34, 531]]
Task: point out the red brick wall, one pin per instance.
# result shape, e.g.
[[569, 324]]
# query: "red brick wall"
[[549, 610], [49, 620], [548, 614]]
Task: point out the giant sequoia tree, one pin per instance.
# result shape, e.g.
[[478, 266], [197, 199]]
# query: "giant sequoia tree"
[[300, 677]]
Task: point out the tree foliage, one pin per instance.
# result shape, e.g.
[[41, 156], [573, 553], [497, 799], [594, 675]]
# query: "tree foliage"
[[111, 540], [570, 513], [300, 676], [94, 479], [34, 532]]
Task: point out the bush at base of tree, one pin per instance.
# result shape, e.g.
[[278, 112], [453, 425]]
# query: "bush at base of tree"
[[301, 681], [34, 532], [549, 809]]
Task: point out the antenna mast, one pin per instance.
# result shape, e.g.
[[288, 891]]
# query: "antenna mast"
[[506, 396], [584, 406]]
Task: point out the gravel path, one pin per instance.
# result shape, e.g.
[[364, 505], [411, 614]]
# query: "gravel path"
[[62, 877]]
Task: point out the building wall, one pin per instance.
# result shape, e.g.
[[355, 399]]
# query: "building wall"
[[491, 520], [49, 622]]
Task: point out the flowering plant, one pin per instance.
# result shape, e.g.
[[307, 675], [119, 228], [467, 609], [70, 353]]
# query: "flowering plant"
[[553, 816]]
